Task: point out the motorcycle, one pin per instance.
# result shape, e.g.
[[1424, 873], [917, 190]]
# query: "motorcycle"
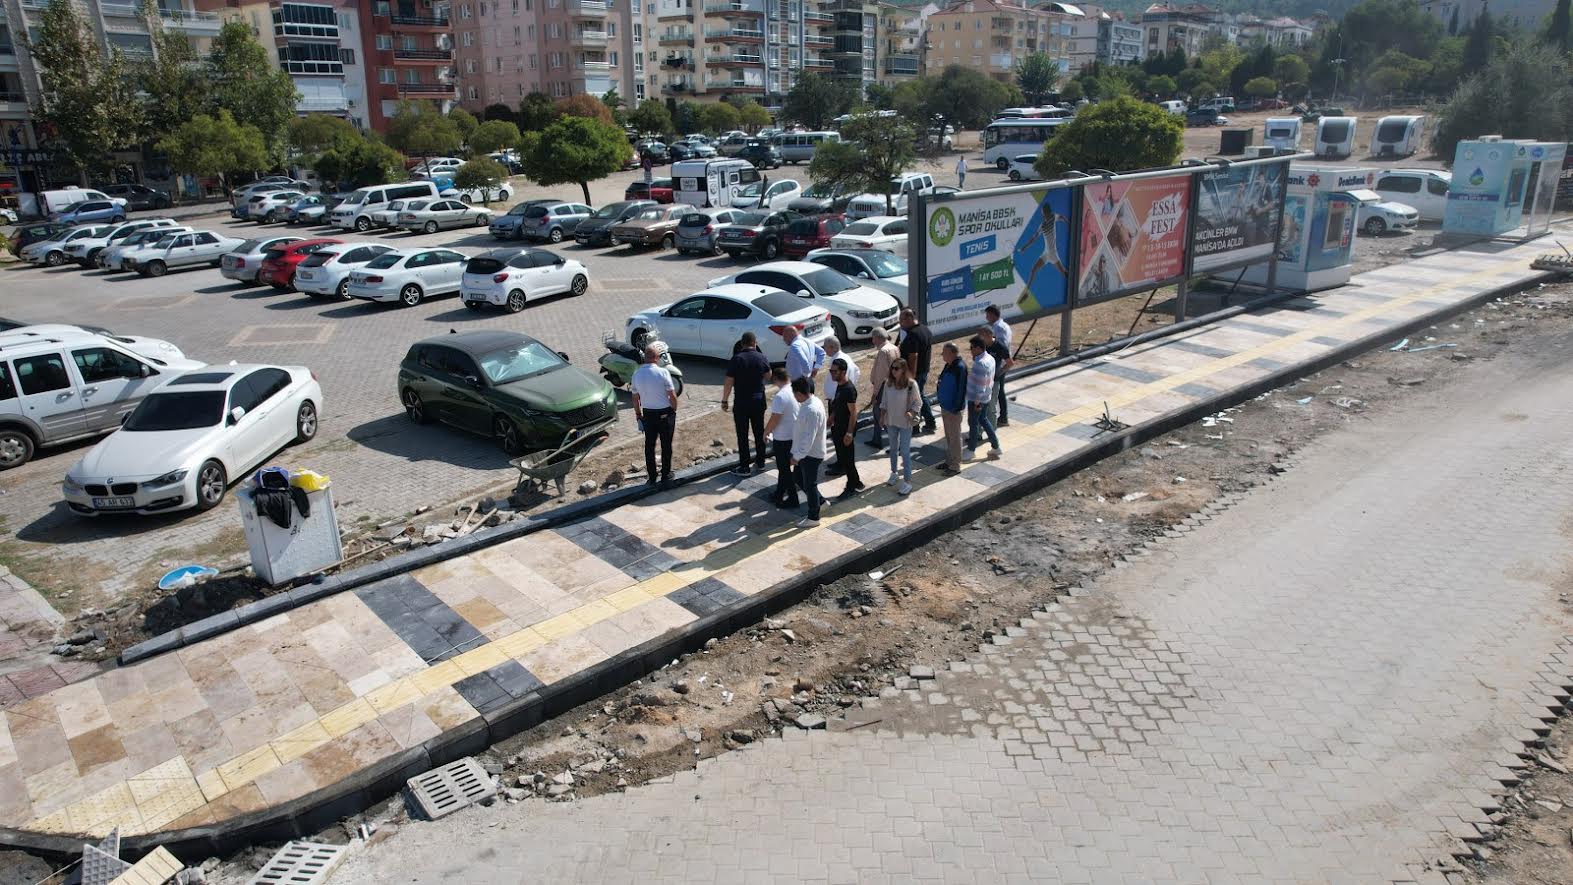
[[622, 359]]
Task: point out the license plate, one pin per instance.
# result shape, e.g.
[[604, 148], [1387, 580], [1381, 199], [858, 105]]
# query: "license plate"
[[305, 275], [814, 329], [229, 261], [113, 503]]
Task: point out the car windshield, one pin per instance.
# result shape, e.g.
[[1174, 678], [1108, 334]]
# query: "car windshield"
[[611, 211], [804, 227], [694, 219], [483, 264], [520, 209], [753, 190], [519, 362], [165, 242], [652, 215], [250, 246], [749, 219], [355, 199], [177, 411], [417, 205], [885, 265], [820, 191], [385, 261], [861, 229], [827, 281]]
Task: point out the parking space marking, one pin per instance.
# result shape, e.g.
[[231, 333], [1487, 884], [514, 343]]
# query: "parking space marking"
[[156, 302], [284, 333]]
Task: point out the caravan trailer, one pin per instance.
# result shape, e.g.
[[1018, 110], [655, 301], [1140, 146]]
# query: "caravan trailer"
[[1335, 137], [1398, 136], [1282, 133], [711, 183]]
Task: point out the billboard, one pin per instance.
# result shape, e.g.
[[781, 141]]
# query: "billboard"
[[1237, 215], [1010, 249], [1132, 235]]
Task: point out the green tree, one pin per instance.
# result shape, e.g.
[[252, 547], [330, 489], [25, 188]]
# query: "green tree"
[[420, 130], [576, 150], [465, 122], [494, 135], [248, 84], [1291, 69], [1037, 75], [587, 106], [685, 115], [1480, 43], [719, 117], [1190, 81], [313, 134], [873, 151], [89, 101], [1071, 92], [650, 117], [614, 102], [1261, 87], [966, 98], [1164, 86], [881, 96], [815, 100], [174, 85], [536, 112], [358, 163], [1523, 93], [1558, 28], [752, 117], [216, 146], [1218, 65], [1120, 135], [481, 174]]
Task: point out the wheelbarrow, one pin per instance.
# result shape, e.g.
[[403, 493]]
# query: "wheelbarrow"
[[553, 465]]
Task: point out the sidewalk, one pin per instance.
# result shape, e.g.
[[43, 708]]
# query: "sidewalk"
[[341, 699]]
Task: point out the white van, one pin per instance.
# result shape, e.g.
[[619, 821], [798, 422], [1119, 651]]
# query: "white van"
[[355, 211], [712, 184], [799, 147], [1335, 137], [1174, 107], [1398, 136], [46, 203], [1282, 133], [902, 188]]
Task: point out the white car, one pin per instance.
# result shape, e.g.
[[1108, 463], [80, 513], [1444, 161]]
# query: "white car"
[[179, 250], [388, 215], [242, 263], [186, 441], [438, 164], [1424, 190], [156, 350], [501, 193], [326, 272], [764, 194], [113, 258], [508, 278], [708, 323], [272, 206], [431, 216], [887, 233], [408, 276], [52, 252], [1376, 219], [84, 250], [855, 309], [870, 267], [1023, 167]]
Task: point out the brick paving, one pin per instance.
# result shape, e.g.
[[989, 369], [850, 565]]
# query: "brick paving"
[[1325, 682], [275, 710]]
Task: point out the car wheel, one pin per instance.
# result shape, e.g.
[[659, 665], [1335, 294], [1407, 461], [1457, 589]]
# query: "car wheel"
[[431, 227], [55, 259], [508, 436], [212, 482], [516, 300], [1375, 227], [580, 284], [272, 217], [1015, 175], [410, 295], [362, 225], [771, 250], [839, 328], [306, 422], [156, 268], [16, 448], [342, 290], [1002, 164], [715, 249], [556, 236], [413, 406], [668, 241], [677, 385]]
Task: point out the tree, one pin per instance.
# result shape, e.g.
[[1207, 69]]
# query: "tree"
[[719, 117], [815, 100], [1218, 65], [499, 112], [1557, 30], [1119, 135], [465, 122], [752, 117], [576, 150], [614, 102], [1291, 69], [650, 117], [420, 130], [314, 133], [881, 96], [248, 84], [587, 106], [216, 146], [966, 98], [1190, 81], [494, 135], [685, 115], [873, 150], [89, 102], [1261, 87], [358, 163], [1037, 74], [174, 85], [1480, 43], [1164, 86], [481, 174], [1071, 92], [536, 112], [1523, 93]]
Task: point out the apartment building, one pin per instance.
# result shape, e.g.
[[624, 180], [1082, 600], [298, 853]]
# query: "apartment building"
[[510, 48], [709, 49], [900, 43], [1073, 35], [1173, 26], [1119, 41], [408, 46], [991, 36], [318, 44]]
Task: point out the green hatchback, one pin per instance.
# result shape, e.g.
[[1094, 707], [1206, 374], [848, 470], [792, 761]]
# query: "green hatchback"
[[504, 385]]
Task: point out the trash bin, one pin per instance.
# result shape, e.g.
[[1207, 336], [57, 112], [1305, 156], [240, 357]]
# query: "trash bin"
[[1233, 142], [310, 543]]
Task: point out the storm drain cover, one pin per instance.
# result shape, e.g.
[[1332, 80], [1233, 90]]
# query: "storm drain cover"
[[300, 863], [442, 791]]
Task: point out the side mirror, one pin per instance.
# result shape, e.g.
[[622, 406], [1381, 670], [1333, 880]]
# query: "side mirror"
[[236, 414], [142, 370], [472, 381], [564, 356], [864, 275], [804, 293], [560, 261]]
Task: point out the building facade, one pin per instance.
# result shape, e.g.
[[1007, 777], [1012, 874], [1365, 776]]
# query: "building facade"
[[1119, 41], [991, 36], [1168, 27], [318, 44], [900, 43]]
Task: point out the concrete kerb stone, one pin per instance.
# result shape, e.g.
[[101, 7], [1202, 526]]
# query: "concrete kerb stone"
[[381, 780]]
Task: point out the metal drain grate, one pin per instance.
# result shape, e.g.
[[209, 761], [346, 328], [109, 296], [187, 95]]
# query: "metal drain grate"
[[300, 863], [442, 791]]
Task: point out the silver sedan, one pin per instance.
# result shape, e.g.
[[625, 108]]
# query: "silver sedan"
[[431, 216]]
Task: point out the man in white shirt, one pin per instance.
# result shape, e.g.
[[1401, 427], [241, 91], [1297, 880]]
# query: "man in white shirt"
[[961, 172], [832, 352], [1001, 330], [779, 426], [655, 408], [808, 446]]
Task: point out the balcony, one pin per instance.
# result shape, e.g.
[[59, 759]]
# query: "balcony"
[[677, 62], [408, 22], [734, 35], [431, 56], [901, 63], [593, 68], [13, 101], [677, 86], [736, 60], [586, 37], [824, 17], [682, 38], [313, 68], [437, 89], [121, 10], [730, 9], [587, 8], [814, 63], [734, 85], [815, 40], [1001, 60]]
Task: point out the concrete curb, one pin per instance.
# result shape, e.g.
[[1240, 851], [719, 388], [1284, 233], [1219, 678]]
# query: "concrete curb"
[[314, 811]]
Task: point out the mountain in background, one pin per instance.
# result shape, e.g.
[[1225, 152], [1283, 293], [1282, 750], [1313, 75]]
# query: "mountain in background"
[[1263, 8]]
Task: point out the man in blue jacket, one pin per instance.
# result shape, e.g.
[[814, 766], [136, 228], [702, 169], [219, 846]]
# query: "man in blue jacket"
[[951, 393]]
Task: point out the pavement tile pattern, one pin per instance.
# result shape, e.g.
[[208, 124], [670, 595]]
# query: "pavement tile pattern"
[[275, 710]]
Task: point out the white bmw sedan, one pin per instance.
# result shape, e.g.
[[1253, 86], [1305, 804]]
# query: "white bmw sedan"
[[508, 278], [408, 276], [188, 440]]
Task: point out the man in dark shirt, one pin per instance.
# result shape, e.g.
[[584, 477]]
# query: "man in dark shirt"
[[745, 378], [917, 348], [844, 420]]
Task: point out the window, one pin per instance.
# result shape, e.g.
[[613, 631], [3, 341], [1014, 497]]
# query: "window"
[[532, 65], [7, 389], [638, 32], [412, 76], [725, 309], [515, 7], [381, 7], [469, 66], [408, 42], [97, 364], [464, 11], [612, 58], [1403, 184], [692, 309], [1436, 186], [206, 239], [469, 38], [483, 9], [41, 374], [611, 29], [516, 40], [347, 56], [386, 76], [384, 41]]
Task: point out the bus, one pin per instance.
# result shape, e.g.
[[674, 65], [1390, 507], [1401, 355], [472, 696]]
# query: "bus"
[[1047, 112], [1006, 139]]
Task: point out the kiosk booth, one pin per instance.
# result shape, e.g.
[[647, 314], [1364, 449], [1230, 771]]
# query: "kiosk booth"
[[1500, 185], [1316, 240]]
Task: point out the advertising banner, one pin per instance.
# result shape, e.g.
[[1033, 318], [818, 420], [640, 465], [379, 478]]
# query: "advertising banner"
[[1132, 235], [1009, 249], [1237, 215]]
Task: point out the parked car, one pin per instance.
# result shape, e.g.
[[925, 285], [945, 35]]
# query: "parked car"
[[870, 267], [113, 258], [761, 154], [179, 250], [408, 276], [755, 233], [656, 152], [855, 309], [430, 216], [692, 150], [61, 383], [36, 232], [652, 227], [708, 323], [388, 214], [733, 143], [1206, 117], [84, 250], [766, 194], [807, 234], [186, 441], [270, 207], [597, 229], [504, 385], [91, 212], [510, 278], [1375, 219], [1023, 167], [642, 190], [138, 196], [310, 209], [1424, 190], [280, 262], [52, 252], [273, 184], [886, 233], [511, 225], [553, 221], [697, 231], [242, 263], [820, 199], [155, 350], [325, 273], [501, 193]]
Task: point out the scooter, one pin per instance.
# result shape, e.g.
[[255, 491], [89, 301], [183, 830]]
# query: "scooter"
[[622, 359]]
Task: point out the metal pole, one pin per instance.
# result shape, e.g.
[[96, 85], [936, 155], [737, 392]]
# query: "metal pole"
[[918, 278], [1180, 293], [1193, 193]]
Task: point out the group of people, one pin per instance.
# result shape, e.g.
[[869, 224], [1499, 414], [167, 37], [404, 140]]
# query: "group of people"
[[799, 429]]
